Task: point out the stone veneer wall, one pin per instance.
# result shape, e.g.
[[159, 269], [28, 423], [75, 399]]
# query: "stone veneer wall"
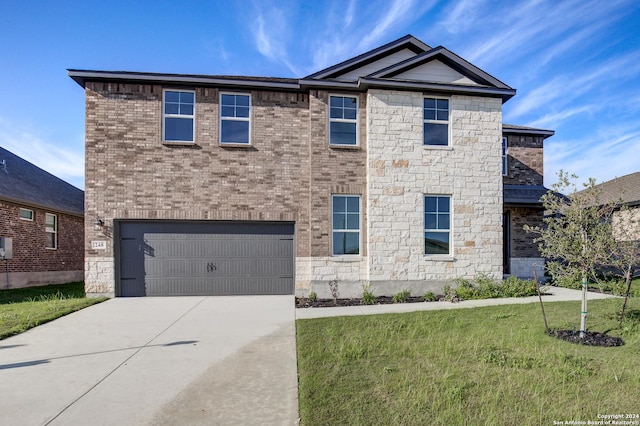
[[402, 171]]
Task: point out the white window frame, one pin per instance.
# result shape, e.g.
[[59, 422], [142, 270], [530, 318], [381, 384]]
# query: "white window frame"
[[31, 216], [359, 230], [343, 120], [505, 161], [449, 230], [436, 121], [181, 116], [229, 118], [47, 230]]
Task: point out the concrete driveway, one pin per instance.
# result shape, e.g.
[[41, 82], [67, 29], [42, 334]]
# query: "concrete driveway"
[[156, 361]]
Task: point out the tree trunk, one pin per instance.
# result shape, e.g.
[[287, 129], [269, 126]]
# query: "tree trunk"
[[583, 313], [626, 294]]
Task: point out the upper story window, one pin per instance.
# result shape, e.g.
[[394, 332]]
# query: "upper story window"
[[505, 164], [26, 214], [436, 121], [437, 224], [178, 116], [235, 112], [346, 224], [51, 229], [343, 120]]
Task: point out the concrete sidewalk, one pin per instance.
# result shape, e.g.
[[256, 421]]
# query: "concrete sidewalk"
[[160, 361], [555, 294]]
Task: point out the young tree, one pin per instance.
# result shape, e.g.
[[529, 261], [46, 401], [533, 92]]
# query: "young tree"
[[576, 238]]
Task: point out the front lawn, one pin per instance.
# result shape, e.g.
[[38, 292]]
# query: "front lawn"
[[25, 308], [483, 366]]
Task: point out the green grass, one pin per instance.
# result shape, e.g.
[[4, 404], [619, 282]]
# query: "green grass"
[[25, 308], [483, 366]]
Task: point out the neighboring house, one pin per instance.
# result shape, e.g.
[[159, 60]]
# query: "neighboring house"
[[43, 217], [385, 169], [623, 190]]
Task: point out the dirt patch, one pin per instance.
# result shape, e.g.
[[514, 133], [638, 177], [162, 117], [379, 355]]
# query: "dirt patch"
[[590, 338]]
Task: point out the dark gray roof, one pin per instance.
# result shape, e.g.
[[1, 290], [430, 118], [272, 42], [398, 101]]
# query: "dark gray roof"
[[524, 195], [625, 189], [23, 183], [515, 129]]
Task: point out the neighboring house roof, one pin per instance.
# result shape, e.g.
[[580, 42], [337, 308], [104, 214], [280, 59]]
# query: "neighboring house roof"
[[23, 183], [625, 189], [403, 64], [515, 129], [523, 195]]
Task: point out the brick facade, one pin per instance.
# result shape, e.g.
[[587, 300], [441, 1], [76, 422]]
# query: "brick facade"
[[32, 262], [525, 160]]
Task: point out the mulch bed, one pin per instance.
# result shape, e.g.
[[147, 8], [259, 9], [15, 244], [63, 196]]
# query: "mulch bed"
[[590, 339], [328, 303]]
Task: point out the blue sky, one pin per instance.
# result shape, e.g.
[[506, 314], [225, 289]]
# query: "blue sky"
[[575, 63]]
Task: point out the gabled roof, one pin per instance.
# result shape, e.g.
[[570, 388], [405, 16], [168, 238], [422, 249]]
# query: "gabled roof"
[[409, 64], [407, 42], [625, 189], [23, 183]]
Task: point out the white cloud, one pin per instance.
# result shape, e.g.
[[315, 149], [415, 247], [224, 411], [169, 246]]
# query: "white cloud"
[[611, 152], [398, 13], [55, 158], [270, 36]]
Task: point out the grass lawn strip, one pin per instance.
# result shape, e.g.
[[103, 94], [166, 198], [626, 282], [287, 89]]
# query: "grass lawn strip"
[[492, 365], [25, 308]]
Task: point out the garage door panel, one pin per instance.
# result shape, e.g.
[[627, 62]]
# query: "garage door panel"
[[206, 258]]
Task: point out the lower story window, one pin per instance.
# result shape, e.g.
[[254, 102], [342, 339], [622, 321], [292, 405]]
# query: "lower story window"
[[51, 229], [437, 224], [346, 224]]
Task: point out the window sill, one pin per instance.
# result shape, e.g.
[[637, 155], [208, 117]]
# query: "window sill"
[[347, 147], [178, 143], [235, 145], [438, 147], [346, 258], [439, 257]]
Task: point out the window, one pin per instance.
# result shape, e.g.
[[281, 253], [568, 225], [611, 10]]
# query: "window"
[[343, 121], [436, 121], [346, 224], [51, 229], [26, 214], [179, 116], [505, 165], [234, 118], [437, 224]]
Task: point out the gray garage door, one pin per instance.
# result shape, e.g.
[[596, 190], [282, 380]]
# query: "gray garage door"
[[168, 258]]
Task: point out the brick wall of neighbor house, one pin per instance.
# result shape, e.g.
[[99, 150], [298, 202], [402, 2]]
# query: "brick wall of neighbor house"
[[525, 160], [32, 263], [403, 171], [525, 256], [131, 174]]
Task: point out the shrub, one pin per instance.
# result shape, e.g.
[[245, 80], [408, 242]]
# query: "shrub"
[[368, 298], [485, 287], [402, 296], [429, 297], [313, 296]]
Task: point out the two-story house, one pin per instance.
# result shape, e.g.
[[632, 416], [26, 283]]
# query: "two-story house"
[[384, 169]]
